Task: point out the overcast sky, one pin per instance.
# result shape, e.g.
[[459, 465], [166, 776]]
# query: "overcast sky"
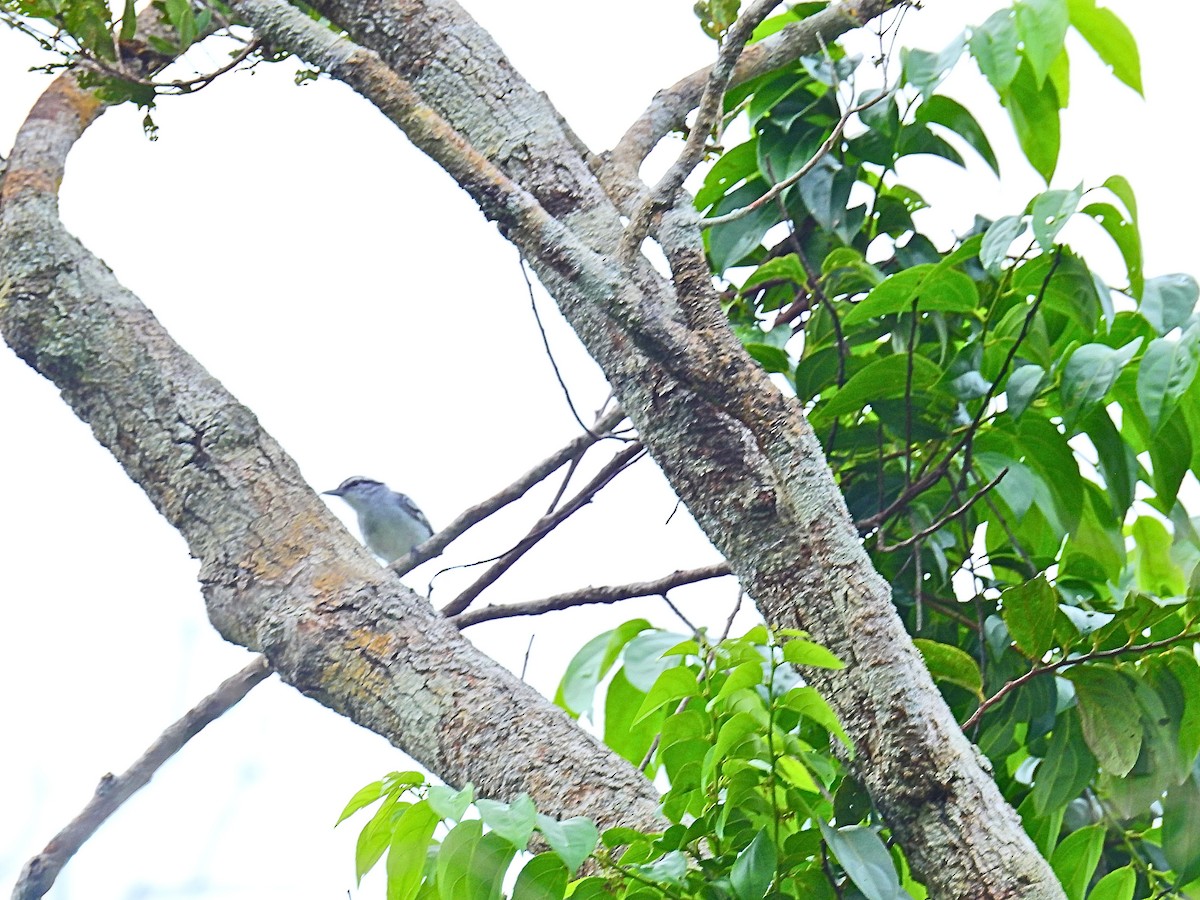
[[342, 287]]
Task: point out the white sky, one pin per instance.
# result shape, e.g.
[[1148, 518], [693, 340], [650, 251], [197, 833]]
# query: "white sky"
[[341, 286]]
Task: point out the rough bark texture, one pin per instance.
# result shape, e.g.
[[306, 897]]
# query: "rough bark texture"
[[280, 577]]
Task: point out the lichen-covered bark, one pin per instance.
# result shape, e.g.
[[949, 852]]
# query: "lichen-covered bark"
[[279, 573], [280, 578], [739, 453]]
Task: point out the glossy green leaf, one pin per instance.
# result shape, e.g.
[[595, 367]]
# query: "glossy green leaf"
[[1124, 233], [1185, 670], [1025, 383], [572, 839], [924, 70], [1075, 859], [375, 836], [1156, 572], [800, 652], [1050, 213], [1090, 372], [932, 287], [362, 797], [1109, 713], [407, 852], [449, 803], [1033, 110], [754, 868], [1169, 300], [806, 701], [951, 665], [1181, 829], [1118, 884], [781, 267], [884, 379], [1067, 769], [728, 244], [1110, 38], [543, 878], [513, 821], [577, 690], [865, 859], [1042, 27], [1029, 611], [645, 657], [1165, 373], [994, 44], [671, 686], [1170, 455], [456, 879], [621, 702], [996, 241], [941, 110]]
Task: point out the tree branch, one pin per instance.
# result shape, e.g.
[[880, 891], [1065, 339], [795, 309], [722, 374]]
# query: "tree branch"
[[588, 595], [39, 873], [472, 516], [544, 526]]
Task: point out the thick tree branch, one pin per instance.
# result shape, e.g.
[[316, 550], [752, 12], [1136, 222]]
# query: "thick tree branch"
[[588, 595], [39, 873], [804, 38]]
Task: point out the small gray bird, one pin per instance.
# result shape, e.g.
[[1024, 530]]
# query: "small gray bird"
[[390, 522]]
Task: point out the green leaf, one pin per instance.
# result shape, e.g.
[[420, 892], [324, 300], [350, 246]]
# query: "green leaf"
[[1050, 213], [924, 70], [951, 665], [996, 241], [449, 803], [373, 840], [994, 44], [1066, 770], [1186, 670], [620, 704], [1169, 300], [1181, 829], [1118, 884], [1042, 26], [1156, 572], [1165, 373], [1033, 110], [1023, 385], [1076, 858], [1124, 233], [754, 869], [128, 21], [513, 821], [734, 166], [933, 287], [1170, 455], [645, 657], [1123, 190], [543, 878], [800, 652], [884, 379], [1108, 711], [1090, 372], [408, 850], [809, 703], [363, 797], [455, 877], [1029, 611], [572, 839], [577, 690], [940, 110], [728, 244], [865, 859], [781, 267], [672, 685], [1110, 38]]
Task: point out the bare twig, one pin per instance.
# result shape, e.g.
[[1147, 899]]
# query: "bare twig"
[[537, 317], [589, 595], [515, 491], [941, 521], [40, 872], [181, 86], [544, 526], [662, 195], [1010, 686], [779, 187]]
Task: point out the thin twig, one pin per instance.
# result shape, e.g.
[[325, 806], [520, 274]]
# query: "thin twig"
[[472, 516], [589, 595], [544, 526], [1010, 686], [941, 521], [537, 317], [776, 189], [39, 873], [679, 614], [662, 195], [936, 473]]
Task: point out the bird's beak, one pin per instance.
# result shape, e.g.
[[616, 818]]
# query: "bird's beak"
[[334, 493]]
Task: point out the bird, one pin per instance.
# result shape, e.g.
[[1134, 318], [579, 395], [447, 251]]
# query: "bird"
[[391, 524]]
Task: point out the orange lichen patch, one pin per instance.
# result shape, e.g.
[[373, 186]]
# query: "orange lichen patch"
[[66, 96], [281, 553], [372, 644], [26, 181]]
